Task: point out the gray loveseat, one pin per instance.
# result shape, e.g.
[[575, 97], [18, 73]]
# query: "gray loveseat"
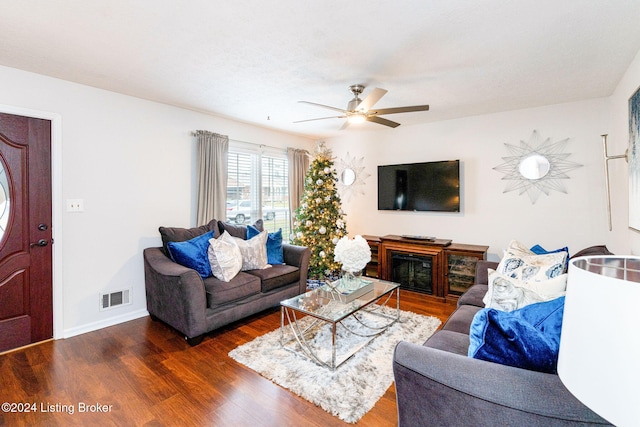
[[437, 384], [194, 306]]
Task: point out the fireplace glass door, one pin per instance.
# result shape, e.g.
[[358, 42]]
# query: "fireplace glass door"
[[413, 272]]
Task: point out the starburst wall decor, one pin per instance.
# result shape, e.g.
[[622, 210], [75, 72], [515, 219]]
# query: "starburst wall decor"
[[351, 176], [550, 164]]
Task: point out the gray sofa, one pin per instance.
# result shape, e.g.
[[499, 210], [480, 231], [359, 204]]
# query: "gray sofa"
[[437, 384], [194, 306]]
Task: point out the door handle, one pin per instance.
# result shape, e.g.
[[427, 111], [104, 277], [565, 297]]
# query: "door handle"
[[41, 242], [43, 227]]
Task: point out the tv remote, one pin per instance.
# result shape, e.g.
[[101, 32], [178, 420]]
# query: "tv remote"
[[429, 238]]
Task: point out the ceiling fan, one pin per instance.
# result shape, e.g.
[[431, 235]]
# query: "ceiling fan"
[[360, 110]]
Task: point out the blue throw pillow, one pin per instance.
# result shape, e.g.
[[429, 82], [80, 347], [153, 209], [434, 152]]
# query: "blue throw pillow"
[[193, 253], [275, 254], [527, 338], [539, 250]]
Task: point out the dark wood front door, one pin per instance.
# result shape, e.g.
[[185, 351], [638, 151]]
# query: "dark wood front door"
[[26, 306]]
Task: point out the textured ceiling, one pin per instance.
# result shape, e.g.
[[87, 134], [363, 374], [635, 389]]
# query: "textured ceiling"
[[252, 61]]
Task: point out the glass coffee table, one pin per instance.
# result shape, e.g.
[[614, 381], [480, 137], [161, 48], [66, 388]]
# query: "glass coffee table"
[[328, 328]]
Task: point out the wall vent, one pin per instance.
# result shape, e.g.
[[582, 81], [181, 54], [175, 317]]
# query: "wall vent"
[[115, 299]]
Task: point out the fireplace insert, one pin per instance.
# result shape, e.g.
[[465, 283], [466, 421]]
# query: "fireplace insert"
[[413, 272]]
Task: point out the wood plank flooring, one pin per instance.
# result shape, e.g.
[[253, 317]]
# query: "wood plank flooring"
[[142, 373]]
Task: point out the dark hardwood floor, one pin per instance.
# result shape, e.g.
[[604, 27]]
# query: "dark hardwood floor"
[[142, 373]]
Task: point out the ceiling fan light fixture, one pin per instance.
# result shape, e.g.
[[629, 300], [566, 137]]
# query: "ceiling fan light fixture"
[[360, 110], [356, 118]]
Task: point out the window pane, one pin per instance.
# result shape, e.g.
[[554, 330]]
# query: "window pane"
[[4, 200], [257, 187], [240, 191], [275, 194]]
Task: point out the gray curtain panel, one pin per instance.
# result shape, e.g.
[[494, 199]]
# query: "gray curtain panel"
[[213, 151], [298, 165]]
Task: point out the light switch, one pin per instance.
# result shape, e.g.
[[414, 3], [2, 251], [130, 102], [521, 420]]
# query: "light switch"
[[75, 205]]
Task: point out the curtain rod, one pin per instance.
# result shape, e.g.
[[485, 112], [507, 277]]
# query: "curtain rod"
[[241, 142]]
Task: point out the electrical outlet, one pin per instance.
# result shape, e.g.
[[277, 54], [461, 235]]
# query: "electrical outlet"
[[75, 205]]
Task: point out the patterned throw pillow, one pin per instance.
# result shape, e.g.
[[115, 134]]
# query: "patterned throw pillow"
[[254, 252], [275, 252], [225, 257], [522, 264], [539, 250], [509, 294]]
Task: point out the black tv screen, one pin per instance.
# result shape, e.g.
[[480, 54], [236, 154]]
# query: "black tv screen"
[[431, 186]]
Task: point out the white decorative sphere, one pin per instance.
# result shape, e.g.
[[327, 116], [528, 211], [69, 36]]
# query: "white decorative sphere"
[[335, 240], [322, 254], [327, 170], [308, 223], [322, 230], [319, 182]]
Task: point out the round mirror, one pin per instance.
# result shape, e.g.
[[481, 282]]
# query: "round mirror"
[[348, 177], [534, 166]]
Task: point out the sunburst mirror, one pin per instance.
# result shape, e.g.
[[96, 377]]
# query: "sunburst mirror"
[[351, 176], [536, 166]]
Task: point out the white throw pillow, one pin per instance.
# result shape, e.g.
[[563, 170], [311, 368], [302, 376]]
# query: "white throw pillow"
[[522, 264], [225, 257], [508, 294], [517, 248], [254, 251]]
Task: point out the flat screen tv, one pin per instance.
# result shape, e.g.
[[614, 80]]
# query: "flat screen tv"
[[430, 186]]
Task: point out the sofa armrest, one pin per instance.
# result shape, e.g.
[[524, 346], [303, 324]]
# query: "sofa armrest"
[[298, 256], [482, 276], [175, 294], [438, 388]]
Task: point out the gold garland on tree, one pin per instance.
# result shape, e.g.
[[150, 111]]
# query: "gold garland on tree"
[[319, 221]]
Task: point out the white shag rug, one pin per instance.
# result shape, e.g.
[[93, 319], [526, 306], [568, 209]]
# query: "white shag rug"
[[354, 387]]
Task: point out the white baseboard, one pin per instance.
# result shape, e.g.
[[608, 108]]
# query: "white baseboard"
[[90, 327]]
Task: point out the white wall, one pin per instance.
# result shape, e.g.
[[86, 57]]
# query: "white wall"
[[133, 163], [489, 216], [626, 238]]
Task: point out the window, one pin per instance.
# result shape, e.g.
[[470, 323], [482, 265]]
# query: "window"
[[258, 187]]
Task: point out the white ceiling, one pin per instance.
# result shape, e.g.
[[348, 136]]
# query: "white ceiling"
[[253, 60]]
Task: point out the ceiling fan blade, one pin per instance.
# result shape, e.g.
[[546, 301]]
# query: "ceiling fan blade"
[[323, 106], [382, 121], [345, 125], [371, 99], [321, 118], [401, 109]]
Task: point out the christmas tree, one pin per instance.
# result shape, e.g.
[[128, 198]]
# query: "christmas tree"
[[319, 222]]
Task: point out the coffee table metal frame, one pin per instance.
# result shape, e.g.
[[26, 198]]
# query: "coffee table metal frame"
[[334, 312]]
